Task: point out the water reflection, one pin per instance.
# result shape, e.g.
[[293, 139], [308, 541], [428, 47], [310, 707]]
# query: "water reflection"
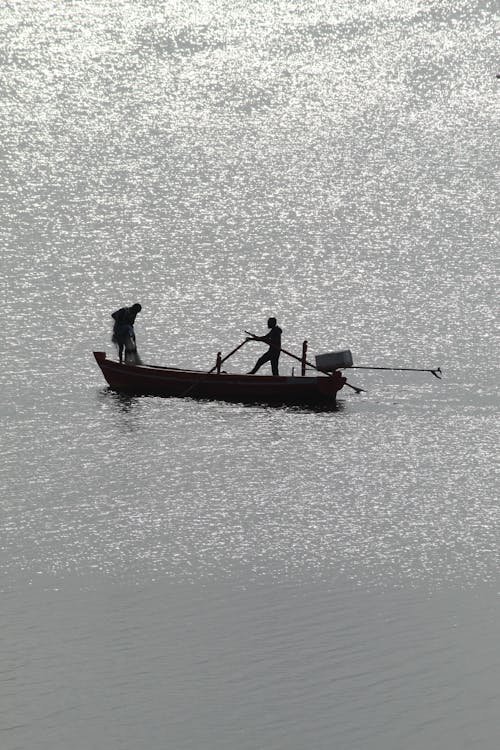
[[125, 406], [122, 401], [227, 165]]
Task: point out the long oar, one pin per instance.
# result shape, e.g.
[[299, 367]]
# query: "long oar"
[[309, 364], [435, 371], [227, 356]]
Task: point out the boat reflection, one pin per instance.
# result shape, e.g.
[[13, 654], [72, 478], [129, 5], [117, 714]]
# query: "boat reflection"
[[123, 402], [128, 404]]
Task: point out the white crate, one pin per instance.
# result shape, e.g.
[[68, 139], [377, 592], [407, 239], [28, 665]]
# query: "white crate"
[[334, 360]]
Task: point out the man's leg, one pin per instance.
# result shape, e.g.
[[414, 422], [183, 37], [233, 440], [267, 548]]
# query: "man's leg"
[[274, 364], [261, 361]]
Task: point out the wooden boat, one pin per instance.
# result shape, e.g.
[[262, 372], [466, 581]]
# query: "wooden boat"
[[172, 381]]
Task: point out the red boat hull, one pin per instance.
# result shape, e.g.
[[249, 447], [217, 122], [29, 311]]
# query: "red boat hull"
[[167, 381]]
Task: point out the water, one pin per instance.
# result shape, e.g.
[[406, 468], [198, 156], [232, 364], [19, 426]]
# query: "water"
[[188, 574]]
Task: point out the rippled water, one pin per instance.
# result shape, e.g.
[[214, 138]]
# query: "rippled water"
[[184, 574]]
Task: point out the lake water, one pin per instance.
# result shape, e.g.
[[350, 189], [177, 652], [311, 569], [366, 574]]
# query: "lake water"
[[182, 574]]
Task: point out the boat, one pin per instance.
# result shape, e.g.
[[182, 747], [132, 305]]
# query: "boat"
[[143, 379]]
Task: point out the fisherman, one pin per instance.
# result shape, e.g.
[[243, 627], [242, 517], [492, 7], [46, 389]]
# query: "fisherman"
[[273, 338], [124, 334]]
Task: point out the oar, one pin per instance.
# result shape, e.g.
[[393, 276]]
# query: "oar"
[[435, 371], [227, 356], [309, 364]]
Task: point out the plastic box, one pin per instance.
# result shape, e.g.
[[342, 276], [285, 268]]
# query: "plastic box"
[[334, 360]]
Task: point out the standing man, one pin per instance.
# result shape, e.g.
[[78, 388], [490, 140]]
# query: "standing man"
[[273, 338], [124, 334]]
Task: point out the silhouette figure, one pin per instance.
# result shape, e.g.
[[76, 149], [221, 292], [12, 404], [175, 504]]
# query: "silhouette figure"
[[124, 334], [273, 338]]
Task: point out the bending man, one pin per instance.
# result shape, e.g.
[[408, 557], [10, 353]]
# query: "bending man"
[[124, 334]]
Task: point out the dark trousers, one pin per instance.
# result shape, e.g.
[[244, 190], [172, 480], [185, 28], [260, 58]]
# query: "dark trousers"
[[124, 338], [269, 356]]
